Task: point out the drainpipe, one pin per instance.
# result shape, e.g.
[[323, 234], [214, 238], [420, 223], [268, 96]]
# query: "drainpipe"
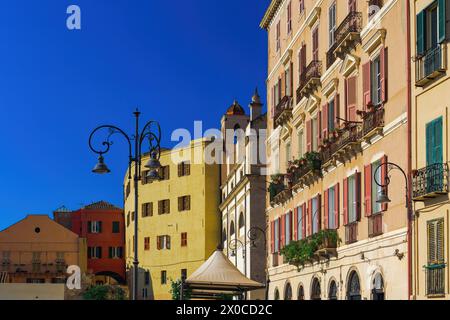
[[409, 116]]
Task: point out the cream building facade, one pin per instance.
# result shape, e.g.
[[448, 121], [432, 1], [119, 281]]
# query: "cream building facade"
[[338, 97], [430, 148]]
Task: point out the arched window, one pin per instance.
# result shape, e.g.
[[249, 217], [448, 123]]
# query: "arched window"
[[301, 293], [276, 295], [353, 287], [241, 220], [288, 292], [236, 134], [332, 293], [232, 231], [224, 235], [315, 290], [378, 287]]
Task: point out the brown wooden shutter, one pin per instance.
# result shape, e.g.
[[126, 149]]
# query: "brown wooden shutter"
[[368, 191], [345, 201], [188, 169], [180, 203], [383, 169], [304, 218], [440, 254], [158, 243], [308, 136], [337, 110], [325, 214], [384, 71], [188, 203], [351, 99], [336, 205], [366, 85], [180, 169]]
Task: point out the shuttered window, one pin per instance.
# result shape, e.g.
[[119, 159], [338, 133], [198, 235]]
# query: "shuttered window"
[[435, 230], [147, 209], [434, 148], [163, 207], [184, 203], [184, 169], [147, 243], [184, 238]]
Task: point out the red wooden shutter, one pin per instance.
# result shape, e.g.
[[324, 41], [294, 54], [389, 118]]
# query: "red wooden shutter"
[[384, 70], [295, 222], [366, 85], [345, 98], [336, 205], [325, 121], [280, 90], [345, 200], [383, 169], [303, 58], [290, 226], [304, 214], [272, 110], [309, 218], [351, 99], [368, 191], [315, 37], [337, 110], [283, 231], [272, 236], [325, 205], [319, 128], [358, 195], [308, 136], [291, 86], [319, 212]]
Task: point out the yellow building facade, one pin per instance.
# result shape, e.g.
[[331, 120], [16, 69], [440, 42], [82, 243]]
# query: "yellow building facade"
[[337, 96], [179, 219], [430, 148]]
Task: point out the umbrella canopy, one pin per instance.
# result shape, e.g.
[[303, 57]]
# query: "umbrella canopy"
[[219, 274]]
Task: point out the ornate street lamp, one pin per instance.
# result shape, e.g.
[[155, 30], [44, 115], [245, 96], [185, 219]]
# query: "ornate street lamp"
[[150, 133]]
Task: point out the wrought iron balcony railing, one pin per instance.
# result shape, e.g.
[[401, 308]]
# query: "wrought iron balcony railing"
[[435, 277], [280, 190], [331, 56], [351, 233], [283, 111], [310, 79], [431, 65], [376, 225], [348, 33], [430, 182], [373, 122], [344, 145]]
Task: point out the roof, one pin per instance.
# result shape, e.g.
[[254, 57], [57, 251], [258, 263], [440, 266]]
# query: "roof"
[[270, 13], [101, 205], [218, 273], [235, 109]]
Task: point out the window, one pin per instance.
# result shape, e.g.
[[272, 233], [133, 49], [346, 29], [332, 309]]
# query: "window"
[[289, 18], [332, 24], [184, 238], [332, 292], [147, 209], [164, 173], [115, 252], [163, 242], [352, 5], [277, 235], [287, 228], [315, 214], [300, 223], [375, 81], [315, 131], [435, 233], [332, 223], [352, 216], [288, 79], [183, 273], [376, 189], [278, 36], [288, 152], [331, 115], [288, 292], [147, 243], [127, 190], [434, 139], [128, 219], [301, 149], [163, 277], [241, 223], [116, 227], [94, 252], [94, 226], [301, 293], [232, 229], [132, 216], [184, 169], [315, 41], [184, 203], [301, 5], [164, 207]]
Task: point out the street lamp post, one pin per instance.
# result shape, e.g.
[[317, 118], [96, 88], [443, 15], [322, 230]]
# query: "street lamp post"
[[151, 133]]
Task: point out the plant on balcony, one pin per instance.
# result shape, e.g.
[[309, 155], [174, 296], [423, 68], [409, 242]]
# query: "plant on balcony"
[[276, 185], [314, 160], [299, 253]]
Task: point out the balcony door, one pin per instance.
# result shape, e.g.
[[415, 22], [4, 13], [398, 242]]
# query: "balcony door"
[[435, 169]]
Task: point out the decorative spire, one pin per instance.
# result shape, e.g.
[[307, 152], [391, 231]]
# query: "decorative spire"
[[256, 98]]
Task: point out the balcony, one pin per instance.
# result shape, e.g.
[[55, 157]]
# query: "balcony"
[[305, 171], [341, 146], [283, 111], [430, 182], [435, 278], [331, 57], [351, 233], [431, 65], [375, 225], [309, 80], [279, 190], [373, 122], [348, 34]]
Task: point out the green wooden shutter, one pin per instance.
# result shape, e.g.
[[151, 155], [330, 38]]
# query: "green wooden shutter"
[[420, 33], [442, 20], [429, 143], [437, 152]]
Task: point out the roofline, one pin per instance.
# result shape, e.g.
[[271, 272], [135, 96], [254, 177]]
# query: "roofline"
[[270, 13]]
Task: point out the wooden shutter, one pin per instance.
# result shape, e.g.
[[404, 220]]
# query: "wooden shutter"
[[442, 20], [384, 173], [272, 237], [420, 33], [358, 195], [440, 254], [319, 212], [325, 205], [384, 71], [366, 85], [351, 99], [345, 201], [325, 121], [319, 128], [310, 218], [431, 233], [308, 136], [316, 44], [368, 191], [295, 222], [337, 110], [180, 203], [283, 232], [304, 220], [336, 205]]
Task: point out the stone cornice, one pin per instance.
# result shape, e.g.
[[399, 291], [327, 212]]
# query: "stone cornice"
[[270, 13]]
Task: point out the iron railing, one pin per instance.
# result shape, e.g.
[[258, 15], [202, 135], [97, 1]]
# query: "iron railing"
[[373, 120], [430, 64], [375, 225], [430, 181], [351, 24], [435, 277], [349, 135], [351, 233], [331, 56], [312, 71], [284, 105]]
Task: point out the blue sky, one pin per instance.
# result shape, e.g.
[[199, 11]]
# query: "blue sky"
[[178, 61]]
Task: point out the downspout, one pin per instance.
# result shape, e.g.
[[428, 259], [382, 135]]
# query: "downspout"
[[409, 117]]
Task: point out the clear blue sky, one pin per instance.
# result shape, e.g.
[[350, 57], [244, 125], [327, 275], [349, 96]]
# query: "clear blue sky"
[[179, 61]]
